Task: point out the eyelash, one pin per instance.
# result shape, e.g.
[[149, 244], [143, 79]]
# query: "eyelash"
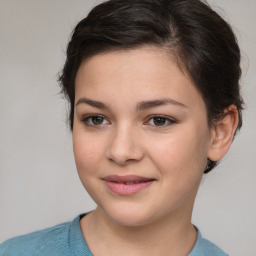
[[86, 121], [167, 119]]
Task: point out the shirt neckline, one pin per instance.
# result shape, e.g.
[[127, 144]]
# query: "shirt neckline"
[[78, 245]]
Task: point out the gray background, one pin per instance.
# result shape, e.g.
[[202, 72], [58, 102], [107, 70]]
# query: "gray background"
[[39, 186]]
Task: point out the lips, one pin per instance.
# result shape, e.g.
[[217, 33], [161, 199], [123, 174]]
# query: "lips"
[[127, 185]]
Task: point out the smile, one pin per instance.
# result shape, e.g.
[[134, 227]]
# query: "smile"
[[127, 185]]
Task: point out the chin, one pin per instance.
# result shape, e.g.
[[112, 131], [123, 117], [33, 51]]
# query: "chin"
[[129, 216], [127, 220]]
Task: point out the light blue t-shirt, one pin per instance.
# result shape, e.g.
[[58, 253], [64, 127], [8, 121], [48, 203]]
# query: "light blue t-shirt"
[[66, 239]]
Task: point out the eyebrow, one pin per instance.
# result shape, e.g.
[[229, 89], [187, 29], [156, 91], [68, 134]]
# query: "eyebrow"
[[142, 105], [93, 103]]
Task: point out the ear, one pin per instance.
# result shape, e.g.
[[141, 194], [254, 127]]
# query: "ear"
[[223, 133]]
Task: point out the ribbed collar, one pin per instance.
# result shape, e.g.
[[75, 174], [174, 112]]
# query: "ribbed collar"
[[78, 245]]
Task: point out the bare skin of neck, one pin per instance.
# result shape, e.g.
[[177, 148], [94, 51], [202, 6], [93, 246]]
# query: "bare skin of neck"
[[172, 235]]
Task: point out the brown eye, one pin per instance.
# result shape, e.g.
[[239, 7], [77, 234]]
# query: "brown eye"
[[95, 120], [160, 121]]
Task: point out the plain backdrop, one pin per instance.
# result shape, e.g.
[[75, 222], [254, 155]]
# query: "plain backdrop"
[[39, 186]]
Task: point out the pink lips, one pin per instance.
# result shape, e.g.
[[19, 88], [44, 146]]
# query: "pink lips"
[[127, 185]]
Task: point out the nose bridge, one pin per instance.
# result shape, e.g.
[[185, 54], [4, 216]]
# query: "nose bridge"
[[125, 144]]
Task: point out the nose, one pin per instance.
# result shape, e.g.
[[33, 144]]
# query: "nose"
[[125, 146]]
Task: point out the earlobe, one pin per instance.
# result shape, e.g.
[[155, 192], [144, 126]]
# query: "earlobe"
[[223, 133]]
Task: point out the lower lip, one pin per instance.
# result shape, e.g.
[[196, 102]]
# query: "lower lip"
[[129, 189]]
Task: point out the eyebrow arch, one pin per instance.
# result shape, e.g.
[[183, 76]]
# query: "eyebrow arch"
[[143, 105], [93, 103]]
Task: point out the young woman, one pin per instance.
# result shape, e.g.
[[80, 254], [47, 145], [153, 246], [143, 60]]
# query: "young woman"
[[153, 87]]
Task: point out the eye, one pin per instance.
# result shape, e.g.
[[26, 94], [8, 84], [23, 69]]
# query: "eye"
[[160, 121], [95, 120]]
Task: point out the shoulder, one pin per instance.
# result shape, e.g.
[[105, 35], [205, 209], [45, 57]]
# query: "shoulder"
[[204, 247], [50, 241]]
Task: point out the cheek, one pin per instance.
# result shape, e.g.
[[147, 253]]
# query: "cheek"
[[88, 159], [179, 154], [86, 152]]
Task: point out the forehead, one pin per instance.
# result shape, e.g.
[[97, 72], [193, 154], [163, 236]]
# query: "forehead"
[[138, 74]]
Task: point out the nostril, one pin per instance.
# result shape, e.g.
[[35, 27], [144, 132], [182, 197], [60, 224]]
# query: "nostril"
[[124, 146]]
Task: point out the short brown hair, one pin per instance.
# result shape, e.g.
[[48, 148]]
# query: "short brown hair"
[[203, 44]]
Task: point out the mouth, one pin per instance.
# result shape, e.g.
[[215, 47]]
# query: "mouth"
[[127, 185]]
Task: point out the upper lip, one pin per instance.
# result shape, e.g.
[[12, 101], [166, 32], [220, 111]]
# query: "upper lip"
[[126, 178]]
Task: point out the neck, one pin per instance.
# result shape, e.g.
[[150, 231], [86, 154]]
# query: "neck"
[[173, 233]]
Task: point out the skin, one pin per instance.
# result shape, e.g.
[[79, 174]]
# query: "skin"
[[129, 141]]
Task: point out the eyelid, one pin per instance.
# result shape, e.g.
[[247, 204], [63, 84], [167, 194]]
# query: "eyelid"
[[86, 117], [170, 120]]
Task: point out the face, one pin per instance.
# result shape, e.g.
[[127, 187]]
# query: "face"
[[140, 135]]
